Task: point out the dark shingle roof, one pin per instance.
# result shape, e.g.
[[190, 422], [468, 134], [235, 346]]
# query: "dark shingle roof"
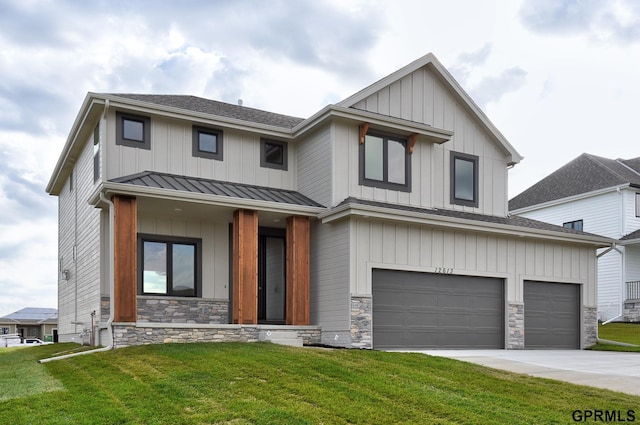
[[216, 187], [631, 236], [513, 220], [32, 315], [213, 107], [584, 174]]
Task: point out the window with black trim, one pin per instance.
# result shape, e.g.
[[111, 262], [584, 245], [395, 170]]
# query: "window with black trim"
[[464, 179], [169, 266], [96, 153], [575, 225], [207, 143], [273, 154], [385, 162], [133, 130]]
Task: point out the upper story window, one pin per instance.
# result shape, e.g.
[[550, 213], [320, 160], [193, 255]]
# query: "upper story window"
[[207, 143], [170, 266], [575, 225], [385, 162], [273, 154], [133, 130], [637, 204], [96, 153], [464, 179]]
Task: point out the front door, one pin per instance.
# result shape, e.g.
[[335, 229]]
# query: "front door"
[[271, 275]]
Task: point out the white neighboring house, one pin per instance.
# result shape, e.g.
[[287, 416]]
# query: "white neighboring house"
[[601, 196]]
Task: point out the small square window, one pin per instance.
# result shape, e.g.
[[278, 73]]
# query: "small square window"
[[133, 131], [207, 143], [464, 179], [273, 154]]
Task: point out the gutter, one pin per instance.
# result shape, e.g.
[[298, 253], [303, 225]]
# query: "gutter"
[[111, 290]]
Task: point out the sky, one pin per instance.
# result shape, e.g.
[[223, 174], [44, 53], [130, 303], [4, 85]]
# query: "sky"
[[557, 77]]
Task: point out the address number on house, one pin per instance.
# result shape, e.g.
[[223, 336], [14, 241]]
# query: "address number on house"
[[444, 270]]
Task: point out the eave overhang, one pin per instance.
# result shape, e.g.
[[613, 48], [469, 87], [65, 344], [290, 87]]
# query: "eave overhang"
[[456, 223], [378, 121], [110, 188]]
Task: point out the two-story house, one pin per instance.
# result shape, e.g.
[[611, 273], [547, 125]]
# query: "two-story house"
[[600, 196], [378, 222]]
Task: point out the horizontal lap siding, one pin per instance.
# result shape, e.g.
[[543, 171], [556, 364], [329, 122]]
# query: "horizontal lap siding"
[[329, 275]]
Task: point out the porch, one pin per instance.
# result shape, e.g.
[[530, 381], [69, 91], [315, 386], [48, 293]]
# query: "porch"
[[631, 311]]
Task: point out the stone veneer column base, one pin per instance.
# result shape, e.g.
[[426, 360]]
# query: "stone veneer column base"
[[516, 327], [361, 324], [590, 315]]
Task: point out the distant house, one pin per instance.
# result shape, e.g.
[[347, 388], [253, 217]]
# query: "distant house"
[[601, 196], [31, 322], [378, 222]]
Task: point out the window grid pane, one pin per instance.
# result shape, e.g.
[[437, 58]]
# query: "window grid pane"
[[396, 162], [154, 268], [464, 175], [183, 274], [274, 153], [133, 130], [373, 158], [207, 142]]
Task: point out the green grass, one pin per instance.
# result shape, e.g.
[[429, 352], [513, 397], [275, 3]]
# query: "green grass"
[[262, 383], [628, 333]]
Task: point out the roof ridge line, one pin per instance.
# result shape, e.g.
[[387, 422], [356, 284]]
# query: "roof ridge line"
[[601, 165], [619, 161]]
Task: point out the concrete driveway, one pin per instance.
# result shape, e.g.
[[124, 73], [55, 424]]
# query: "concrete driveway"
[[603, 369]]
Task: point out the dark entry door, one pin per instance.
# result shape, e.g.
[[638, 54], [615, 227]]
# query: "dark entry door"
[[271, 275]]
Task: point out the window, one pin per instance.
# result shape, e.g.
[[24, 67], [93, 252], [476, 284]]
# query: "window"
[[4, 331], [96, 153], [464, 179], [273, 154], [575, 225], [133, 131], [207, 143], [170, 266], [637, 204], [385, 162]]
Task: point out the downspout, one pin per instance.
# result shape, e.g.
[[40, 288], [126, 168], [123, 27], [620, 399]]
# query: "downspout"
[[111, 289], [613, 247]]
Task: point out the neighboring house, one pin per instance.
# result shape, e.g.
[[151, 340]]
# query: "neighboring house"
[[601, 196], [379, 222], [31, 322]]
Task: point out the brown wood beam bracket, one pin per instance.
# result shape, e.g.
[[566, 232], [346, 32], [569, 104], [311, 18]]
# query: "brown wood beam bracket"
[[411, 141], [363, 131]]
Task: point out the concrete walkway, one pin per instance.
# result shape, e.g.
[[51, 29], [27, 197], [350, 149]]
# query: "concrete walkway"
[[603, 369]]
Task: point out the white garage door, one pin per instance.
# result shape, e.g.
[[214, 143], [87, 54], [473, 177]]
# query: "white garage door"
[[414, 310]]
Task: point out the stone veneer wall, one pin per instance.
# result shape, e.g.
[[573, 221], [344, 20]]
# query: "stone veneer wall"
[[590, 315], [182, 310], [631, 311], [128, 334], [361, 324], [516, 326]]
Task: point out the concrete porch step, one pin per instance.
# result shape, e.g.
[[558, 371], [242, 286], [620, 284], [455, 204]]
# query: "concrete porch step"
[[281, 337]]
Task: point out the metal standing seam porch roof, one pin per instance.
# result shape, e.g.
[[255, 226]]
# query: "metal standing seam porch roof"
[[216, 187]]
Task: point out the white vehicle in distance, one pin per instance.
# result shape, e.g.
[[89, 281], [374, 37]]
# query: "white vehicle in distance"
[[10, 340], [35, 341]]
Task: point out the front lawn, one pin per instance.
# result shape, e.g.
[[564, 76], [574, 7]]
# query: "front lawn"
[[628, 333], [262, 383]]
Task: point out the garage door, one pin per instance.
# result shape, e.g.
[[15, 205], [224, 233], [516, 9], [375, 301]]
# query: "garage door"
[[414, 310], [551, 315]]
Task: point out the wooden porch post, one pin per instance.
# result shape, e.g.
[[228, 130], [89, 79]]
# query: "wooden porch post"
[[125, 258], [297, 308], [245, 267]]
